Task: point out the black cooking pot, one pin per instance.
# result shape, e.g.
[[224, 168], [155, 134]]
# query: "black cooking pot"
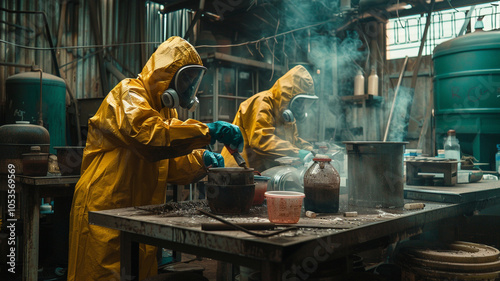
[[230, 176]]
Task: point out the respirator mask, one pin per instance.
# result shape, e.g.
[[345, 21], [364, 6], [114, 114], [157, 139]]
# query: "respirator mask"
[[183, 88], [298, 107]]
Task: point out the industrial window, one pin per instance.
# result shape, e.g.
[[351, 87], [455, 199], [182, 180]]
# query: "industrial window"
[[404, 33]]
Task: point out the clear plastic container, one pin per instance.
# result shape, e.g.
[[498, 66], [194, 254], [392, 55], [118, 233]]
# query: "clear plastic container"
[[284, 206]]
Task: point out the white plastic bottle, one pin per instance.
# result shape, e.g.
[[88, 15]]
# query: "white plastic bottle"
[[452, 147], [373, 83], [359, 83]]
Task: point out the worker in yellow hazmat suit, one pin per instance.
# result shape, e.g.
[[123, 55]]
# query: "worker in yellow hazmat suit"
[[268, 121], [136, 145]]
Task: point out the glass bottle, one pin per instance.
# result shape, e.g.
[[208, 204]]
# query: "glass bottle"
[[321, 186], [452, 147]]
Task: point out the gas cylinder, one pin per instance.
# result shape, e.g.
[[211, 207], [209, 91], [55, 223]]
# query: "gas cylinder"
[[321, 186]]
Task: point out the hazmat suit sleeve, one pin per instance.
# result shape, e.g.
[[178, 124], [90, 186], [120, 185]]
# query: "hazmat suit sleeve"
[[262, 134], [187, 169], [131, 122], [301, 143]]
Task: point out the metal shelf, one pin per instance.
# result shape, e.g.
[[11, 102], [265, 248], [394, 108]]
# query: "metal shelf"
[[239, 60], [369, 99]]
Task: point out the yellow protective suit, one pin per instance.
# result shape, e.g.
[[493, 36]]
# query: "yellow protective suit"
[[265, 133], [122, 166]]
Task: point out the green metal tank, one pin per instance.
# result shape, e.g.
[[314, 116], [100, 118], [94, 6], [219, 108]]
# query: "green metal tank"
[[467, 93], [23, 103]]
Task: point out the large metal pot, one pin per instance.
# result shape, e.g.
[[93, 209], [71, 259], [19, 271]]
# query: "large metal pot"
[[375, 173], [230, 176], [230, 191], [16, 140]]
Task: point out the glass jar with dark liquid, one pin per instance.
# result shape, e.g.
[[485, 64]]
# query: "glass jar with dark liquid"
[[321, 186]]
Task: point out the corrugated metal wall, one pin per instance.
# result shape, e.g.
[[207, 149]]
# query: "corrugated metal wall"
[[127, 28]]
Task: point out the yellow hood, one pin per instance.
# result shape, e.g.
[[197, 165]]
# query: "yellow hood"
[[161, 67], [295, 82]]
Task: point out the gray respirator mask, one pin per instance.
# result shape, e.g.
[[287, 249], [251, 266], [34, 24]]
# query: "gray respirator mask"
[[298, 107], [183, 88]]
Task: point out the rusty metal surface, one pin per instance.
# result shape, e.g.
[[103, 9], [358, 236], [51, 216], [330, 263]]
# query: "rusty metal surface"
[[460, 193], [370, 224]]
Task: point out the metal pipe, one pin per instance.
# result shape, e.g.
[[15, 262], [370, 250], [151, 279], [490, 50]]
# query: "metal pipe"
[[197, 16], [467, 20], [16, 64], [111, 68]]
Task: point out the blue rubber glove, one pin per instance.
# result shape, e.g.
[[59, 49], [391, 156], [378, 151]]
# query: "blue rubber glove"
[[226, 133], [303, 153], [212, 159]]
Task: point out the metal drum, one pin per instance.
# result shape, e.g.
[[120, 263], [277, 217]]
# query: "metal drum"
[[375, 173]]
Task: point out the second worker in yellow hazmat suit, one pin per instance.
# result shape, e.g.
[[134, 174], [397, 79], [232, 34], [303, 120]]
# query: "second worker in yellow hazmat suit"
[[268, 121], [133, 132]]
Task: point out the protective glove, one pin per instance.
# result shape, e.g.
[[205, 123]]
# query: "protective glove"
[[303, 153], [212, 159], [226, 133]]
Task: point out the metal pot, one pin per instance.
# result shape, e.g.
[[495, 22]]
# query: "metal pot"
[[16, 140], [35, 163], [375, 173], [69, 159], [230, 199], [230, 176]]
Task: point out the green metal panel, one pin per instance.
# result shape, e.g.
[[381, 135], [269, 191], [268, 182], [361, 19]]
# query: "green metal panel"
[[467, 93], [23, 103]]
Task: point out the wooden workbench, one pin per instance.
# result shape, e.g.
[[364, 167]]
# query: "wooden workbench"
[[279, 257]]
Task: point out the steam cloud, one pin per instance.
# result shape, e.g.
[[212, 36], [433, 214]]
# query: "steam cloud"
[[397, 129], [335, 55]]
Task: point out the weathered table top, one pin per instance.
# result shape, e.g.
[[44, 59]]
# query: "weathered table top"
[[459, 193], [277, 254]]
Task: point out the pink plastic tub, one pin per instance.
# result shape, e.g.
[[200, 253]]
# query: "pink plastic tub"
[[284, 206]]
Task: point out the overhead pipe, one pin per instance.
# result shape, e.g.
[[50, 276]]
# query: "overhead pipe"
[[197, 16]]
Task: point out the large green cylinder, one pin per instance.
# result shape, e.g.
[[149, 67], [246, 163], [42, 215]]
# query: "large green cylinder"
[[23, 103], [467, 93]]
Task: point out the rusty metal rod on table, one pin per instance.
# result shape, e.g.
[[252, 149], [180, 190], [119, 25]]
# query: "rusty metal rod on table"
[[267, 226], [244, 229]]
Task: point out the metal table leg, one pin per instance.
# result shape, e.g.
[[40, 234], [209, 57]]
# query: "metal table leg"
[[30, 214], [129, 257]]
